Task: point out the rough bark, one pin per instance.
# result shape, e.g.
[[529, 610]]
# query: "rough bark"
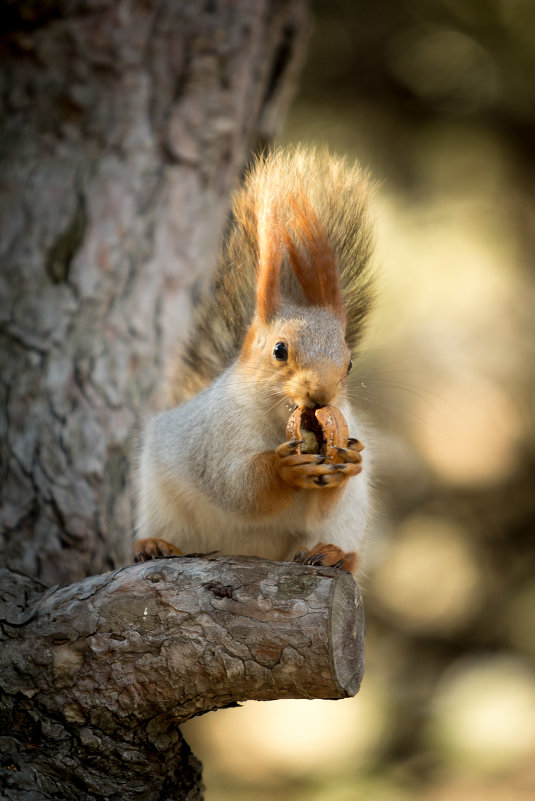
[[97, 676], [124, 127]]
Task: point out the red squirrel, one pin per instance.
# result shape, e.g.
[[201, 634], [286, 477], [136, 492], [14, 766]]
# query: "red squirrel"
[[278, 330]]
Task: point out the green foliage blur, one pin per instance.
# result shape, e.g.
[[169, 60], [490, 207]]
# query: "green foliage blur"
[[437, 99]]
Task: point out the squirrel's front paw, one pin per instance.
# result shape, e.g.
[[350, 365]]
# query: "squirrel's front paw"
[[352, 454], [154, 548], [328, 555], [313, 471]]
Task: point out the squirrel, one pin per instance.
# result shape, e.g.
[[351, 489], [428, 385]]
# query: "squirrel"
[[285, 312]]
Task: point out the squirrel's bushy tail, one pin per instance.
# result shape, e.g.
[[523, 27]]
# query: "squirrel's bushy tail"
[[338, 193]]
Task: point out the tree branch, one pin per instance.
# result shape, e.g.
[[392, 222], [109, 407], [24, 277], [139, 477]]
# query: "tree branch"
[[104, 670]]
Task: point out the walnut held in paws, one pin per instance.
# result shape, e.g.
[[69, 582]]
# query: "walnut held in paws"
[[322, 430]]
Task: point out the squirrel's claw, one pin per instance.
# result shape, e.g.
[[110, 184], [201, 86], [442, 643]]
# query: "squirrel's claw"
[[351, 456], [329, 556], [154, 548], [288, 448]]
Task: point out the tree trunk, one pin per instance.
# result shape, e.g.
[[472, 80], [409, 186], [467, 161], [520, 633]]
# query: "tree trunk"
[[125, 125], [97, 676]]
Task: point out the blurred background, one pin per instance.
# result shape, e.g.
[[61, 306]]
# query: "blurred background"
[[437, 99]]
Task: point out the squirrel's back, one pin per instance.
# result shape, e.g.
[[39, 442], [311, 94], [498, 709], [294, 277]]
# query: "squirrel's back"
[[338, 194]]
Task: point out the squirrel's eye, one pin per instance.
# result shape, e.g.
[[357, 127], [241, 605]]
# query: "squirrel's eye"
[[350, 365], [280, 351]]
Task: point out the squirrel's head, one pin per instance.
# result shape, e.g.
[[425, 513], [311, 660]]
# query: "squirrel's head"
[[296, 348]]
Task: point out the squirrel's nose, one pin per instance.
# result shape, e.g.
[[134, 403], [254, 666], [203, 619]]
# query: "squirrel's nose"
[[320, 395], [319, 398], [322, 386]]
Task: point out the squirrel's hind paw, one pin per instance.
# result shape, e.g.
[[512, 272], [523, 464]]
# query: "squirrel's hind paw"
[[329, 556], [154, 548]]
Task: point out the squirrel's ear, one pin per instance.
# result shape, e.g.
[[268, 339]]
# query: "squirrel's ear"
[[268, 295], [312, 258]]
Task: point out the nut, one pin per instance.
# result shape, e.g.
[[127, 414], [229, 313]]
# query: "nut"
[[323, 430]]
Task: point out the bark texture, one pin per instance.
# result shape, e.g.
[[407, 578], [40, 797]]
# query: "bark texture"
[[97, 676], [124, 126]]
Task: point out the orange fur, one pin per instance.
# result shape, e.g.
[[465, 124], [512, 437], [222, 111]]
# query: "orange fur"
[[269, 260], [272, 494], [310, 254], [314, 263], [248, 343]]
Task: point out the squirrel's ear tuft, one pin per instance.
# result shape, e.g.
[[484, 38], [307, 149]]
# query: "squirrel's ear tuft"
[[268, 295], [312, 258]]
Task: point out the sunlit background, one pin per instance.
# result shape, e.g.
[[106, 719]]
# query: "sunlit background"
[[437, 99]]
